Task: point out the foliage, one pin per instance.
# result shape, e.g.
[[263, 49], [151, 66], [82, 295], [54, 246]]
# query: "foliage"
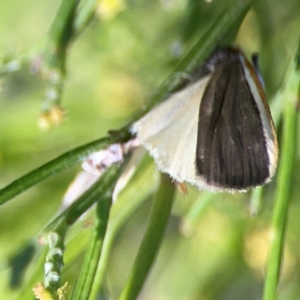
[[101, 61]]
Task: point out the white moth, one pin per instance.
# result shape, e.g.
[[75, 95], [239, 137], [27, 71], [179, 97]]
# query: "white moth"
[[217, 133]]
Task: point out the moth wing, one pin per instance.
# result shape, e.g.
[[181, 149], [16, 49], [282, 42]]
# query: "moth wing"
[[169, 133], [232, 148]]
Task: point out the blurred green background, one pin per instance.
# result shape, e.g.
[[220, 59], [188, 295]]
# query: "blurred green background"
[[212, 249]]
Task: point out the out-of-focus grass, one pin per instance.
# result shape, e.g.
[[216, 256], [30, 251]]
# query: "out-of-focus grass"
[[113, 68]]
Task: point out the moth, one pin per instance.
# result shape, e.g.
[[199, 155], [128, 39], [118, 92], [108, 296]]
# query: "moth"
[[217, 132]]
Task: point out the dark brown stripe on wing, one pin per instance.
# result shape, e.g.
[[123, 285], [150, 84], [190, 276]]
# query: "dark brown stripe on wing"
[[231, 147]]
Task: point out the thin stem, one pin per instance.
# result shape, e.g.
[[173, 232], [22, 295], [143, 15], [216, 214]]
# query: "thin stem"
[[103, 186], [148, 250], [283, 192], [57, 165], [85, 13], [221, 32], [62, 31], [121, 211], [87, 275], [256, 201]]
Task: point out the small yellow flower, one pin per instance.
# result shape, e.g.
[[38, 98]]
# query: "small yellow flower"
[[54, 116], [57, 115], [62, 291], [41, 292], [108, 9]]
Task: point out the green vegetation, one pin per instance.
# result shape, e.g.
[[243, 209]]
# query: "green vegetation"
[[73, 70]]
